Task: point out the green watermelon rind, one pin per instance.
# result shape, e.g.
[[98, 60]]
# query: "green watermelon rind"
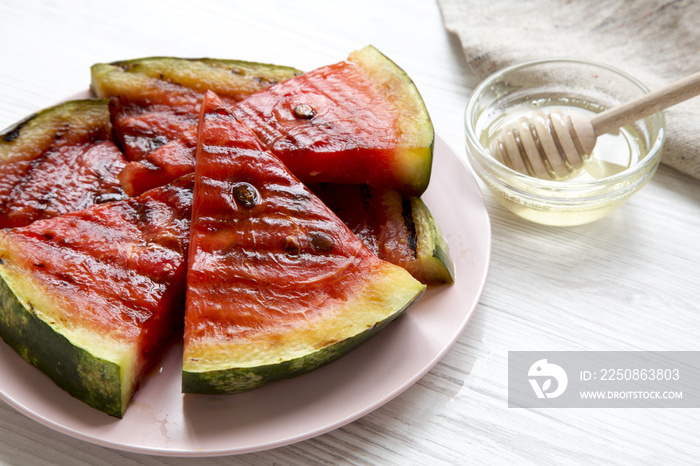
[[241, 379], [433, 254], [198, 74], [47, 128], [89, 378]]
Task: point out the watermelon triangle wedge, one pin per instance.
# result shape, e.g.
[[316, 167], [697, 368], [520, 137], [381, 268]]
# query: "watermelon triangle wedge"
[[277, 285], [90, 297]]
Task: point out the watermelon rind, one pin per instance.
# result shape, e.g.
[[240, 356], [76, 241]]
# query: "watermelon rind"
[[233, 368], [434, 262], [99, 373], [233, 78], [54, 126]]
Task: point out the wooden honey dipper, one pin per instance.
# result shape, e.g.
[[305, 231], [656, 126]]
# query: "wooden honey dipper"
[[556, 144]]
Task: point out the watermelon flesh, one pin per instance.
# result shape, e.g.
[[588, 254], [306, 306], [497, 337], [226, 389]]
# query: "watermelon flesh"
[[169, 162], [89, 297], [277, 284], [142, 128], [396, 228], [357, 121], [59, 161]]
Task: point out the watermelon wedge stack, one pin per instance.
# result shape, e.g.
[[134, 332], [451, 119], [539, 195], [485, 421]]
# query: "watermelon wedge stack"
[[220, 222], [321, 126], [155, 99], [357, 121]]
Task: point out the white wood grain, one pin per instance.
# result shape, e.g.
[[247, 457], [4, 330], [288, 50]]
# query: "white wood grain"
[[627, 282]]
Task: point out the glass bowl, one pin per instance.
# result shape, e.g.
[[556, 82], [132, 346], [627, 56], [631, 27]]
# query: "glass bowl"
[[620, 165]]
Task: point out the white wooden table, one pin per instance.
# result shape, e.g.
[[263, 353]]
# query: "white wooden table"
[[627, 282]]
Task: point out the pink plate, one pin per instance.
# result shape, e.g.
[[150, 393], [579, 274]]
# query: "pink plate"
[[163, 421]]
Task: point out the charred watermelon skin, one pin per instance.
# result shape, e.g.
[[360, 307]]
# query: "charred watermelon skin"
[[89, 378]]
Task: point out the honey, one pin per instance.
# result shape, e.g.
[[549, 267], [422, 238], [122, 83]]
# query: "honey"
[[613, 153]]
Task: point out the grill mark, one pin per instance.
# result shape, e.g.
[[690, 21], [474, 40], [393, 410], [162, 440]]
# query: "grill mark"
[[366, 197], [12, 134], [27, 177], [407, 213]]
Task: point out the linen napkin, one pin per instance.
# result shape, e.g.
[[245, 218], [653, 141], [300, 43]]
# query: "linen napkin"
[[656, 41]]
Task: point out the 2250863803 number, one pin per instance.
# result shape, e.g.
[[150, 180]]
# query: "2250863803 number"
[[639, 374]]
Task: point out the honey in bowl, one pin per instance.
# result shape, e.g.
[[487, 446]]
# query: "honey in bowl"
[[622, 160], [613, 152]]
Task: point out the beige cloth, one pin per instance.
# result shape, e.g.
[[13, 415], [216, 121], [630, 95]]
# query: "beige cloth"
[[657, 41]]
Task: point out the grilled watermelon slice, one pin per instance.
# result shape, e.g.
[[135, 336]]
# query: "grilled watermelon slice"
[[277, 284], [396, 228], [89, 297], [358, 121], [59, 160], [154, 99]]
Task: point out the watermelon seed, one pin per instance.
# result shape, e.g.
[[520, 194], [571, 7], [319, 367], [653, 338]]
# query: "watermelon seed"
[[246, 194], [292, 246], [321, 241], [304, 111]]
